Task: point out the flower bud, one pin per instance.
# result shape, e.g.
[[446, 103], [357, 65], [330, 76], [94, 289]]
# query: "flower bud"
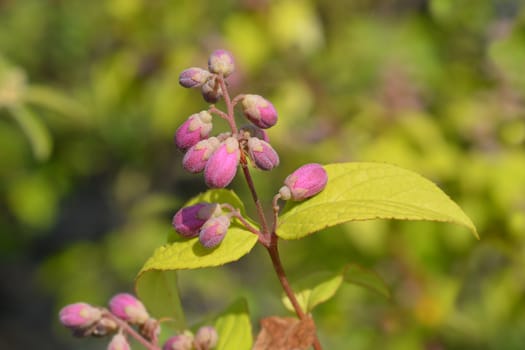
[[206, 338], [103, 327], [128, 308], [179, 342], [305, 182], [79, 315], [259, 111], [211, 91], [193, 77], [214, 230], [189, 220], [196, 157], [197, 127], [119, 342], [262, 154], [221, 61], [222, 165], [254, 131]]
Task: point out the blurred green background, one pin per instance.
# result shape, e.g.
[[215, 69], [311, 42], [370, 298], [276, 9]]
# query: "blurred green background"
[[90, 178]]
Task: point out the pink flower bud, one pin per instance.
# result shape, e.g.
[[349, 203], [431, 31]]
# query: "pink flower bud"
[[262, 154], [197, 127], [128, 308], [254, 131], [305, 182], [206, 338], [222, 165], [213, 231], [179, 342], [259, 111], [189, 220], [211, 91], [221, 61], [119, 342], [193, 77], [79, 315], [196, 157]]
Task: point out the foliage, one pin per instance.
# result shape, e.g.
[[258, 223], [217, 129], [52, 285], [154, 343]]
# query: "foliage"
[[429, 86]]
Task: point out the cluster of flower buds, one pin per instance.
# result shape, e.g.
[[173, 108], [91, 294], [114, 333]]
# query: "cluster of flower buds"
[[87, 320], [206, 220], [206, 338], [219, 156]]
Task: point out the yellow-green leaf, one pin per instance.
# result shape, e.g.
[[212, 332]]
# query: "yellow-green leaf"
[[34, 130], [182, 253], [234, 327], [314, 290], [366, 191], [159, 291]]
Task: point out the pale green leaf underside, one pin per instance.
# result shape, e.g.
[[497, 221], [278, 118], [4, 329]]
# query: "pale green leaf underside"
[[314, 290], [182, 253], [234, 328], [366, 191], [158, 290], [321, 287]]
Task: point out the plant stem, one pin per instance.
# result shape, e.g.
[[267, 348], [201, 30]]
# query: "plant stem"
[[273, 250], [128, 329]]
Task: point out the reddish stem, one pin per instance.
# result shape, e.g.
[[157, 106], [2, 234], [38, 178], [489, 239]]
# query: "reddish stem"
[[128, 329]]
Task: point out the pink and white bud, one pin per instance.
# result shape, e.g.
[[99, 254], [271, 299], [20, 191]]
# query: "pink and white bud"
[[214, 230], [179, 342], [305, 182], [197, 156], [119, 342], [254, 131], [262, 154], [196, 128], [259, 111], [189, 220], [128, 308], [222, 165], [221, 62], [193, 77], [211, 91], [206, 338], [79, 315]]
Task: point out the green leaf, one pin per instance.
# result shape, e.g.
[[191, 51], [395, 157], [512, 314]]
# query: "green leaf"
[[44, 96], [367, 191], [355, 274], [158, 290], [182, 253], [34, 130], [321, 287], [314, 290], [234, 327]]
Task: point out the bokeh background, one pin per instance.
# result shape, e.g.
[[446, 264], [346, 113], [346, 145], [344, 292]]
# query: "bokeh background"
[[90, 178]]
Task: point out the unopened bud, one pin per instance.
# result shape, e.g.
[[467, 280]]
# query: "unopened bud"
[[221, 61], [211, 91], [128, 308], [179, 342], [119, 342], [196, 128], [193, 77], [262, 154], [305, 182], [189, 220], [259, 111], [222, 165], [213, 231], [197, 156], [79, 315], [206, 338]]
